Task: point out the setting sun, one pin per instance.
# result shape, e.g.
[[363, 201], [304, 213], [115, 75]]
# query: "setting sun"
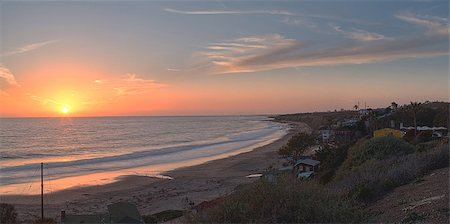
[[65, 110]]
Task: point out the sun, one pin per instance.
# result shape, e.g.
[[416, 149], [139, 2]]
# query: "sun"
[[65, 109]]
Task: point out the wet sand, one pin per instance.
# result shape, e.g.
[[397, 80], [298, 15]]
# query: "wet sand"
[[196, 183]]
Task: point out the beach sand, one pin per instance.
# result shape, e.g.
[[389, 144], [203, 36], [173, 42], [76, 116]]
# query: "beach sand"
[[196, 183]]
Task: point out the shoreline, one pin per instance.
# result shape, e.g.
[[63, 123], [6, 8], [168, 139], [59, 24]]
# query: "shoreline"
[[197, 183]]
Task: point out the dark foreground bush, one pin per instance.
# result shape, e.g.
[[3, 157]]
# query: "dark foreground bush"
[[45, 221], [330, 160], [286, 201], [375, 178], [163, 216], [8, 213]]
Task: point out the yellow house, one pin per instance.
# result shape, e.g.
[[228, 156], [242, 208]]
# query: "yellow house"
[[388, 132]]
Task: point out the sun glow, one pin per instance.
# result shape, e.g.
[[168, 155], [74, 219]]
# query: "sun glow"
[[65, 109]]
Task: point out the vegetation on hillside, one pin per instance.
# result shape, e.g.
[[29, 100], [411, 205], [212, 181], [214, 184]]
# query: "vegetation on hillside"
[[350, 176], [331, 159], [426, 114], [374, 149], [374, 178], [297, 145], [288, 200]]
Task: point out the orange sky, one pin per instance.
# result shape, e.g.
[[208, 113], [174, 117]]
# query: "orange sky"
[[169, 58]]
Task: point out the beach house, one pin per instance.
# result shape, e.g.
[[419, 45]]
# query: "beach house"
[[387, 132], [306, 165], [305, 168]]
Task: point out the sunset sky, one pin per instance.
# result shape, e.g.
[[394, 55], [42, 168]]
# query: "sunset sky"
[[84, 58]]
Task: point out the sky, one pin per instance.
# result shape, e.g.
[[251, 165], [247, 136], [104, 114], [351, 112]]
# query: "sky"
[[113, 58]]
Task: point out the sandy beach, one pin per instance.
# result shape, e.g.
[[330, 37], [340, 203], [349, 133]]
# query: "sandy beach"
[[196, 183]]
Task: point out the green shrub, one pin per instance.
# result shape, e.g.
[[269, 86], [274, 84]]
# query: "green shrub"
[[330, 160], [375, 178], [297, 144], [374, 149], [8, 213], [287, 200]]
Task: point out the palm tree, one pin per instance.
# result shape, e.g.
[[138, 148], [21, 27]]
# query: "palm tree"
[[356, 107], [414, 107]]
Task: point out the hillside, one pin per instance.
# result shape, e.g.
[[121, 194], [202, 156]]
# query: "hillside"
[[426, 201]]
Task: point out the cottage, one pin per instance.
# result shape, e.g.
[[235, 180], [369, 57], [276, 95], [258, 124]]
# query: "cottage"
[[305, 165], [387, 132]]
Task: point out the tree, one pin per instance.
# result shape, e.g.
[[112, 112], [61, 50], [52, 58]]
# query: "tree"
[[414, 107], [356, 107], [394, 106], [297, 145]]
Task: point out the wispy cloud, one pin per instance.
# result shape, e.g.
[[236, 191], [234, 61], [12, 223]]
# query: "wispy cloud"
[[228, 12], [435, 25], [226, 56], [258, 53], [359, 35], [103, 91], [8, 76], [272, 12], [131, 84], [29, 47], [299, 22], [43, 100]]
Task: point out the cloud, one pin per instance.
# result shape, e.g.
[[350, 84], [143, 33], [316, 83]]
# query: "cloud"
[[435, 25], [359, 35], [131, 84], [8, 76], [29, 47], [269, 12], [228, 12], [43, 100], [298, 22], [266, 52], [229, 54], [102, 91]]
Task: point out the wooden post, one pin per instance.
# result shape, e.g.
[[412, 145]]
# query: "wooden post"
[[42, 192]]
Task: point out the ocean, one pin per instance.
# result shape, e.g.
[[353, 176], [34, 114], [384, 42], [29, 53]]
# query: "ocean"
[[89, 151]]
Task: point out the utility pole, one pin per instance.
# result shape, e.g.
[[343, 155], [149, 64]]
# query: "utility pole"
[[42, 192]]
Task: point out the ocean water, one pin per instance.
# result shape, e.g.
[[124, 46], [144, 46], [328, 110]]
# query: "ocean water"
[[79, 147]]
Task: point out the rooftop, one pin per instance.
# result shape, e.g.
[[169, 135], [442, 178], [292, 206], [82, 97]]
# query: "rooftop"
[[310, 162]]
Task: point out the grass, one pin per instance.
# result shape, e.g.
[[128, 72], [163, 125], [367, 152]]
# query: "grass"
[[371, 169], [288, 200], [374, 178], [374, 149]]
